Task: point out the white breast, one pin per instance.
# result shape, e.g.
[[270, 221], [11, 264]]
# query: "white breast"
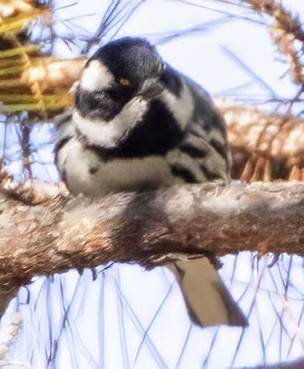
[[85, 173]]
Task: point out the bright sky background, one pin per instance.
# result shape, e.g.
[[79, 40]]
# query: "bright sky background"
[[200, 55], [125, 299]]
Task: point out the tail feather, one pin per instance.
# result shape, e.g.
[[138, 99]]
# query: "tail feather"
[[208, 300]]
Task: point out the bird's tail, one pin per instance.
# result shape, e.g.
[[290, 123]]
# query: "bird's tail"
[[208, 300]]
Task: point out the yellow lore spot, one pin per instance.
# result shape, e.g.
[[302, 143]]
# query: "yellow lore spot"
[[124, 82]]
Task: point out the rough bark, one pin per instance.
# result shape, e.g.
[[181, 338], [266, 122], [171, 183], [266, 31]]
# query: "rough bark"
[[202, 219]]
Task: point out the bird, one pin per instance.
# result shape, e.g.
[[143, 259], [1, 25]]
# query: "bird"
[[138, 124]]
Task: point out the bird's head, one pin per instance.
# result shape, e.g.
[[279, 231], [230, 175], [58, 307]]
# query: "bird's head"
[[116, 73]]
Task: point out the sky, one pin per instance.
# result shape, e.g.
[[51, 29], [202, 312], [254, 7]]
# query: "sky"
[[135, 319], [201, 55]]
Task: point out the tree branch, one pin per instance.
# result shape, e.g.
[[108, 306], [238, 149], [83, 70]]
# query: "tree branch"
[[264, 146], [203, 219], [298, 364]]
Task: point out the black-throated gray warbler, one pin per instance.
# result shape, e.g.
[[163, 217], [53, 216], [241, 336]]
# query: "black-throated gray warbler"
[[138, 124]]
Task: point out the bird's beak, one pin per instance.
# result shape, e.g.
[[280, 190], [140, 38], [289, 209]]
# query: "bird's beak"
[[150, 88]]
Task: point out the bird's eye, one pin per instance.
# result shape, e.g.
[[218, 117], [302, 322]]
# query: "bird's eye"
[[160, 67], [124, 82]]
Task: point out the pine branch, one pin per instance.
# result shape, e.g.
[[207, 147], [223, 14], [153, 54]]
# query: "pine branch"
[[208, 219], [287, 32], [264, 146], [298, 364]]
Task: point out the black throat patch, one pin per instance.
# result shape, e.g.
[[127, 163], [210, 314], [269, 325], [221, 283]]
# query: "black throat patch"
[[156, 134]]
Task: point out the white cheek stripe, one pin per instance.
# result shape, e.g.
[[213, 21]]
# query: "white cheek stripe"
[[108, 134], [96, 76], [181, 107]]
